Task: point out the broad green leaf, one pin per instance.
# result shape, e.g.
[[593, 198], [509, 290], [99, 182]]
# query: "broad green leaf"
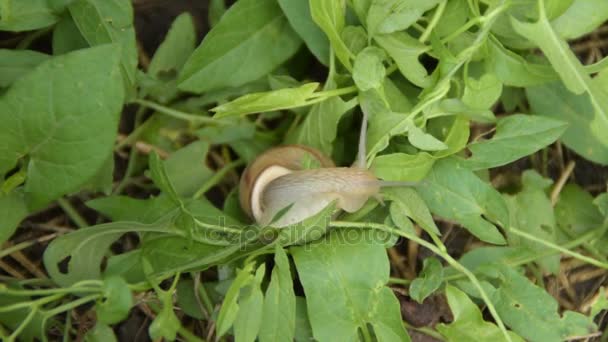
[[338, 293], [406, 51], [403, 166], [531, 211], [14, 209], [267, 101], [468, 324], [217, 9], [387, 16], [230, 306], [109, 21], [124, 208], [586, 131], [368, 70], [186, 299], [457, 194], [355, 38], [514, 70], [16, 63], [35, 329], [279, 317], [320, 127], [116, 302], [428, 281], [249, 317], [67, 136], [67, 37], [482, 93], [411, 204], [222, 134], [26, 15], [423, 140], [100, 333], [178, 45], [575, 211], [86, 248], [300, 19], [255, 30], [165, 324], [522, 305], [303, 331], [187, 169], [581, 18], [330, 16], [516, 136]]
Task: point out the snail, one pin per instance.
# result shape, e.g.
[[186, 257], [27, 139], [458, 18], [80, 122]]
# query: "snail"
[[278, 180]]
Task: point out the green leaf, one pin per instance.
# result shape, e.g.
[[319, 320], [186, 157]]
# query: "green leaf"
[[482, 93], [403, 166], [166, 324], [16, 63], [161, 179], [217, 9], [256, 29], [178, 45], [279, 317], [303, 330], [35, 329], [514, 70], [267, 101], [116, 302], [369, 71], [575, 211], [230, 306], [221, 134], [468, 324], [67, 37], [67, 136], [330, 16], [586, 130], [387, 16], [522, 305], [249, 318], [320, 127], [14, 208], [100, 333], [406, 51], [109, 21], [85, 249], [531, 211], [423, 140], [457, 194], [409, 202], [428, 281], [187, 170], [337, 292], [26, 15], [582, 17], [516, 136], [299, 17], [355, 38]]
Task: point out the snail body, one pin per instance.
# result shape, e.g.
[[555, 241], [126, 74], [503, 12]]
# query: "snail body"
[[278, 179]]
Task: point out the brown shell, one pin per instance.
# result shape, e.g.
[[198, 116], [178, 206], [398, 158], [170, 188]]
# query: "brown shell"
[[291, 157]]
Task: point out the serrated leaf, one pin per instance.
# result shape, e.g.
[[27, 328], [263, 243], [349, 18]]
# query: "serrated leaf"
[[267, 101], [67, 136], [456, 193], [516, 136], [428, 281], [468, 322], [253, 28]]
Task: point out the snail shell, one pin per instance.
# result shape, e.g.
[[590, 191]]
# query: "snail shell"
[[277, 179]]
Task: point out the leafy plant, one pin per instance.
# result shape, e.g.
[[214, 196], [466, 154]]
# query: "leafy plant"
[[479, 103]]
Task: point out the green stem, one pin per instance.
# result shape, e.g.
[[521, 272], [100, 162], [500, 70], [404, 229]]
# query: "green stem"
[[132, 155], [438, 13], [72, 213], [559, 248], [216, 227], [23, 324], [440, 252], [30, 303], [399, 281], [179, 114], [334, 92], [188, 336], [70, 305], [217, 177]]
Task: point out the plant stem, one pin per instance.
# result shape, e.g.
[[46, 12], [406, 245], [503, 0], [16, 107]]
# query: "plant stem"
[[217, 177], [334, 92], [559, 248], [23, 324], [179, 114], [72, 213], [132, 155], [188, 336], [429, 29], [70, 305], [440, 252]]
